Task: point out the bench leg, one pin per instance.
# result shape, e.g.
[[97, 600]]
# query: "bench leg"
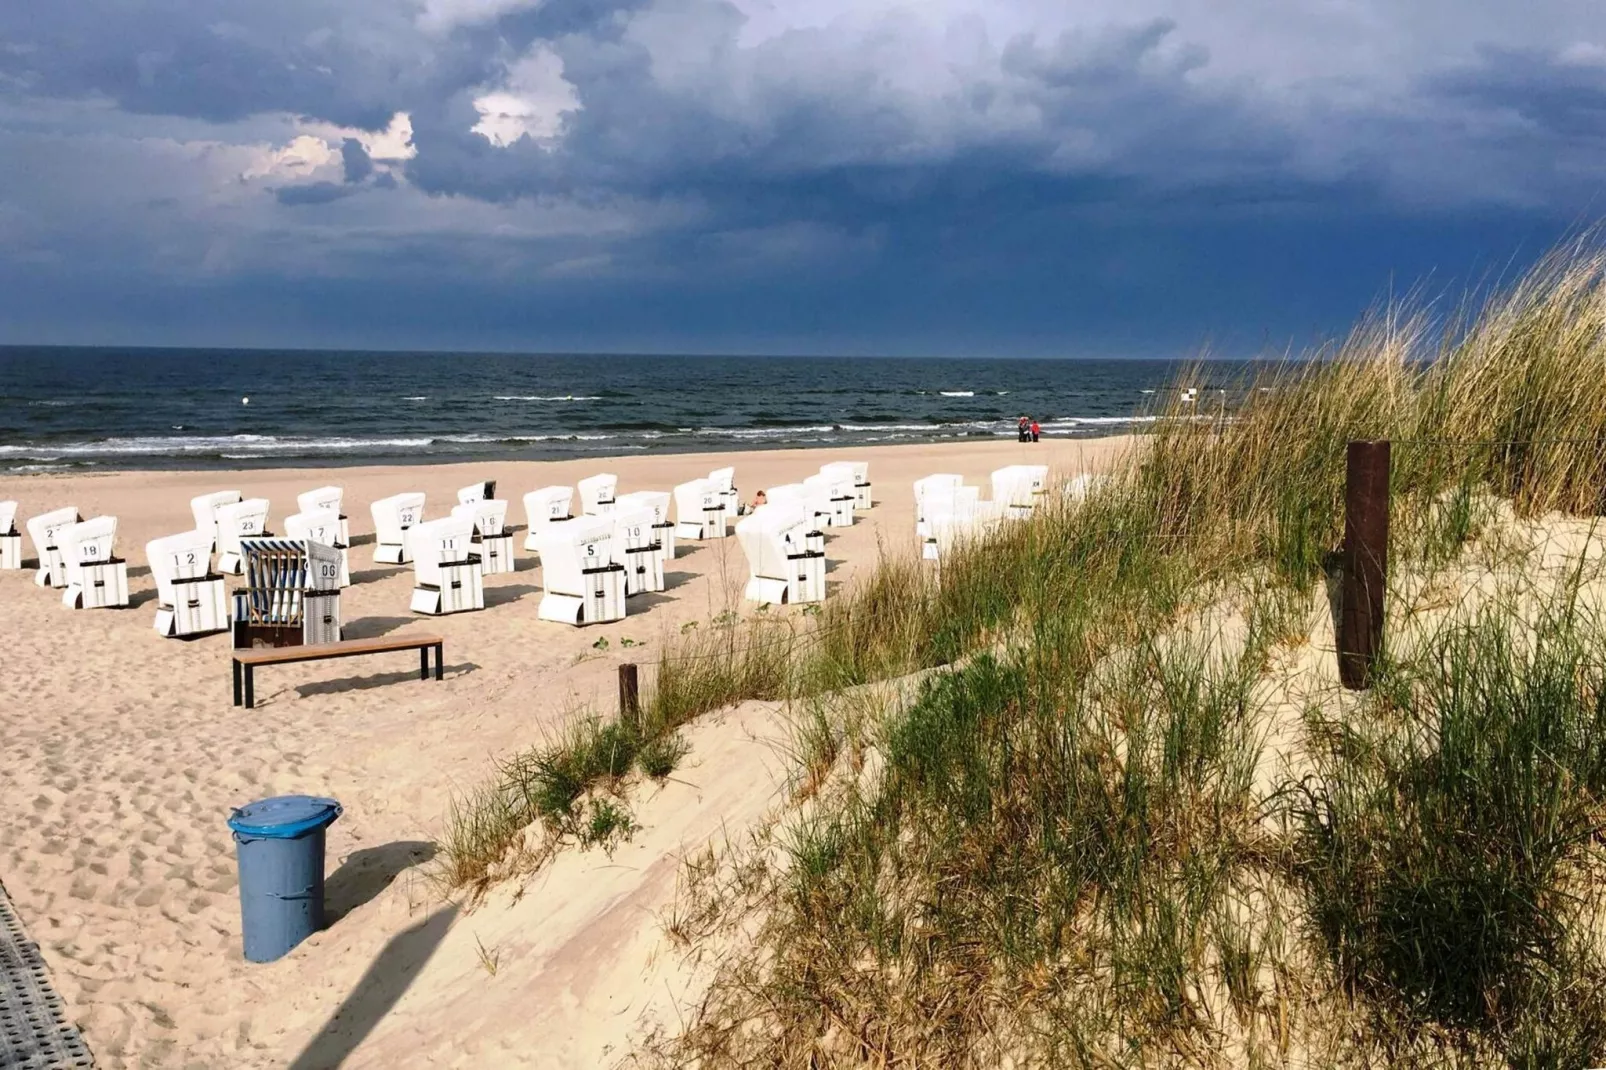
[[250, 687], [423, 663], [440, 660], [239, 696]]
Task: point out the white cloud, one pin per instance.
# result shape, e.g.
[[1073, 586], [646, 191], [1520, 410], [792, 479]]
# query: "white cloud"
[[532, 102], [439, 16], [304, 158]]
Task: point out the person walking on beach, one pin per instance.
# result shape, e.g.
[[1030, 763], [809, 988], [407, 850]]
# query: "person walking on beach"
[[1023, 429], [1035, 430]]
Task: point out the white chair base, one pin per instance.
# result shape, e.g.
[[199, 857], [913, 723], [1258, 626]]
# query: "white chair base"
[[10, 552], [664, 534], [715, 525], [345, 568], [804, 583], [842, 512], [496, 554], [928, 548], [105, 586], [200, 607], [391, 554], [603, 601], [52, 571], [861, 496], [461, 590], [644, 570]]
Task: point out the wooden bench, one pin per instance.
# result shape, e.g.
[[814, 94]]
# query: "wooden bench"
[[246, 661]]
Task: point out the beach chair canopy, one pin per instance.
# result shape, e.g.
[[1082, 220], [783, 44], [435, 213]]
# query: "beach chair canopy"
[[45, 529], [316, 525], [185, 556], [314, 501], [568, 550]]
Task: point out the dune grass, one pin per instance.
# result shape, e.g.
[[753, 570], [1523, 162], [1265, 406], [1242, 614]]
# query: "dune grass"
[[1067, 858]]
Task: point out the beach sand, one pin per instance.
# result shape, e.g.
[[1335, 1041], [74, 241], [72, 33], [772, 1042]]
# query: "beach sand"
[[122, 757]]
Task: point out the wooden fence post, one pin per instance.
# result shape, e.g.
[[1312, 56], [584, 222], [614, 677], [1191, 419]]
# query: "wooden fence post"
[[629, 694], [1366, 562]]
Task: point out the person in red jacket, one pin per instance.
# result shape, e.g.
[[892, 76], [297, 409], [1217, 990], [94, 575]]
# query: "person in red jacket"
[[1035, 430]]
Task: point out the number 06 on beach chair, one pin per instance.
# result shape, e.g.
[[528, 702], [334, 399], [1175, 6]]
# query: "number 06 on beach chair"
[[291, 595]]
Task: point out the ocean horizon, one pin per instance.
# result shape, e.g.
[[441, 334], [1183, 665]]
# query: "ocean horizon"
[[110, 408]]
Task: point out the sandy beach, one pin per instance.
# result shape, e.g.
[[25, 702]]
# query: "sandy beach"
[[122, 757]]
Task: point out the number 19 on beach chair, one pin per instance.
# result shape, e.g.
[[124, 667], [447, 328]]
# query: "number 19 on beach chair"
[[96, 577]]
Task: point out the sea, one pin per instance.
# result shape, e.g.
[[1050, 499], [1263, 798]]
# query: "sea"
[[110, 408]]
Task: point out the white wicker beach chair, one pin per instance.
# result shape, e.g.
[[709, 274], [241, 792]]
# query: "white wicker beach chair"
[[663, 528], [597, 494], [942, 507], [190, 597], [44, 531], [700, 511], [316, 501], [392, 517], [477, 492], [10, 538], [584, 584], [204, 508], [322, 526], [835, 489], [815, 501], [241, 520], [446, 566], [543, 508], [636, 548], [923, 487], [724, 481], [491, 539], [96, 577], [781, 567], [1018, 487]]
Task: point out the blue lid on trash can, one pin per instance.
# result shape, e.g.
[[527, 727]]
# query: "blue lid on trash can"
[[283, 817]]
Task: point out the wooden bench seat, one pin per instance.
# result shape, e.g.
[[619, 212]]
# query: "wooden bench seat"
[[246, 661]]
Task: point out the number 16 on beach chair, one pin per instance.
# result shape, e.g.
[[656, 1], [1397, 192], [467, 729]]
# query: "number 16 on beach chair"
[[10, 539], [492, 542], [44, 530]]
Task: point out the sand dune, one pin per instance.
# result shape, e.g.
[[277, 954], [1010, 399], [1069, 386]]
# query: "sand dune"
[[122, 756]]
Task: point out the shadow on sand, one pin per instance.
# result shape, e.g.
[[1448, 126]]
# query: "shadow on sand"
[[365, 873], [387, 978]]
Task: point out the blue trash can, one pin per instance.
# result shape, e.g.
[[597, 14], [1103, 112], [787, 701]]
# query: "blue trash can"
[[279, 843]]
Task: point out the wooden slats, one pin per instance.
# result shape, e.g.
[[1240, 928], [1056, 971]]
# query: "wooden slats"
[[343, 649]]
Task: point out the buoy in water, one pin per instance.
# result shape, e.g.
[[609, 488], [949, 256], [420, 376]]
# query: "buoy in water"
[[245, 401]]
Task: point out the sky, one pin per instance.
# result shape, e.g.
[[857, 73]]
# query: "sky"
[[948, 177]]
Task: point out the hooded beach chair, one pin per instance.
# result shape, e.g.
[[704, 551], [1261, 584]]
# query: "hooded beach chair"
[[859, 473], [322, 526], [1079, 487], [491, 539], [544, 508], [942, 481], [10, 538], [835, 489], [813, 500], [291, 595], [584, 584], [190, 597], [636, 548], [204, 508], [449, 578], [241, 520], [96, 577], [699, 511], [781, 567], [316, 501], [597, 494], [392, 517], [477, 492], [44, 530], [942, 506], [724, 481], [1018, 487], [663, 527]]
